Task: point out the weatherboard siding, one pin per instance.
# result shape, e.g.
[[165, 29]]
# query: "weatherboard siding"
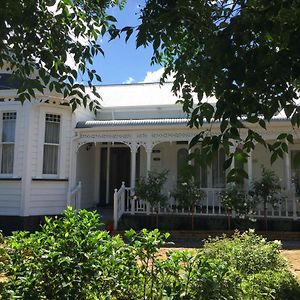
[[48, 197], [10, 198]]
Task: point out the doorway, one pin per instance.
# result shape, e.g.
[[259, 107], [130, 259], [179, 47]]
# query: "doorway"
[[114, 168]]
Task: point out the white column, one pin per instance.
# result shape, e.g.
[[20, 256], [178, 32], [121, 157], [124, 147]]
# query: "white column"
[[133, 167], [96, 174], [250, 170], [149, 147], [289, 184], [133, 150], [287, 170], [107, 174], [28, 115], [148, 155], [72, 170]]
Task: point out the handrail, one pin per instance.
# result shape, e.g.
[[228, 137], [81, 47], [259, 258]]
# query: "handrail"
[[119, 204], [76, 195]]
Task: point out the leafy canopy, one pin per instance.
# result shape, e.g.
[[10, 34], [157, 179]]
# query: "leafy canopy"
[[38, 36], [243, 52]]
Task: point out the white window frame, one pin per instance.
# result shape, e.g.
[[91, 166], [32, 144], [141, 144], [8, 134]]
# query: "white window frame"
[[7, 175], [44, 115]]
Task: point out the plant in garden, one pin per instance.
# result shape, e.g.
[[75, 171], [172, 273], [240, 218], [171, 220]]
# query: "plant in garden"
[[71, 259], [68, 259], [188, 194], [236, 200], [145, 247], [149, 189], [267, 190], [262, 271]]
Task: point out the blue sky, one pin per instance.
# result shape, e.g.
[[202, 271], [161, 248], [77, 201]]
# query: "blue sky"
[[123, 63]]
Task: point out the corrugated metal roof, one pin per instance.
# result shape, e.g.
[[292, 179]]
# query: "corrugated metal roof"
[[142, 122], [147, 122]]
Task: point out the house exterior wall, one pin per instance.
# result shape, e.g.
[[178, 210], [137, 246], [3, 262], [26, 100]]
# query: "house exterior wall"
[[86, 174], [10, 198], [27, 191]]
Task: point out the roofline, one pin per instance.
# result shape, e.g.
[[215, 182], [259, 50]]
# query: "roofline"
[[133, 83]]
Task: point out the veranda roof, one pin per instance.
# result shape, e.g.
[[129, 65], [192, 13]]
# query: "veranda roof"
[[124, 123]]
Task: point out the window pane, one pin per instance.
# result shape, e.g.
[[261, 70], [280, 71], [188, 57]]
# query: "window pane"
[[218, 172], [50, 159], [182, 159], [52, 133], [9, 127], [7, 159], [200, 172]]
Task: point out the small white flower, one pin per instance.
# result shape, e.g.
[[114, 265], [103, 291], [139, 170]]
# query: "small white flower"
[[277, 242]]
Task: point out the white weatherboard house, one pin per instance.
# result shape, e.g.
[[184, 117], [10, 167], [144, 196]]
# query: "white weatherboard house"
[[51, 158]]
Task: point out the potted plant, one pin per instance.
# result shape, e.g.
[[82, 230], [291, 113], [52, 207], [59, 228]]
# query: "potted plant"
[[149, 189], [233, 199], [267, 190], [188, 194]]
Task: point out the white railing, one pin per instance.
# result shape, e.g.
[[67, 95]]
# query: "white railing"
[[75, 196], [119, 202], [125, 202]]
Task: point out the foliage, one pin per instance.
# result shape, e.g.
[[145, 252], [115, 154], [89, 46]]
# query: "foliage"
[[188, 194], [262, 271], [235, 199], [267, 188], [150, 188], [242, 52], [37, 38], [71, 259], [248, 252]]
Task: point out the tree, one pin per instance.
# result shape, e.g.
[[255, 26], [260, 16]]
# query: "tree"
[[243, 52], [267, 190], [37, 37], [150, 190], [188, 194]]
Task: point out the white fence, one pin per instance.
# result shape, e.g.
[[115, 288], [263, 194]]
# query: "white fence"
[[125, 203]]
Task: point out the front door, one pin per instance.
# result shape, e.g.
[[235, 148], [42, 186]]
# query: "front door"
[[119, 169]]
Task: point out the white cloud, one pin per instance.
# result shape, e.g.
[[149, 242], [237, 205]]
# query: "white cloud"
[[129, 80], [155, 76]]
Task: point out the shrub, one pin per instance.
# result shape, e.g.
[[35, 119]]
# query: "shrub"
[[263, 272], [149, 189], [188, 194], [267, 190], [68, 259], [71, 259]]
